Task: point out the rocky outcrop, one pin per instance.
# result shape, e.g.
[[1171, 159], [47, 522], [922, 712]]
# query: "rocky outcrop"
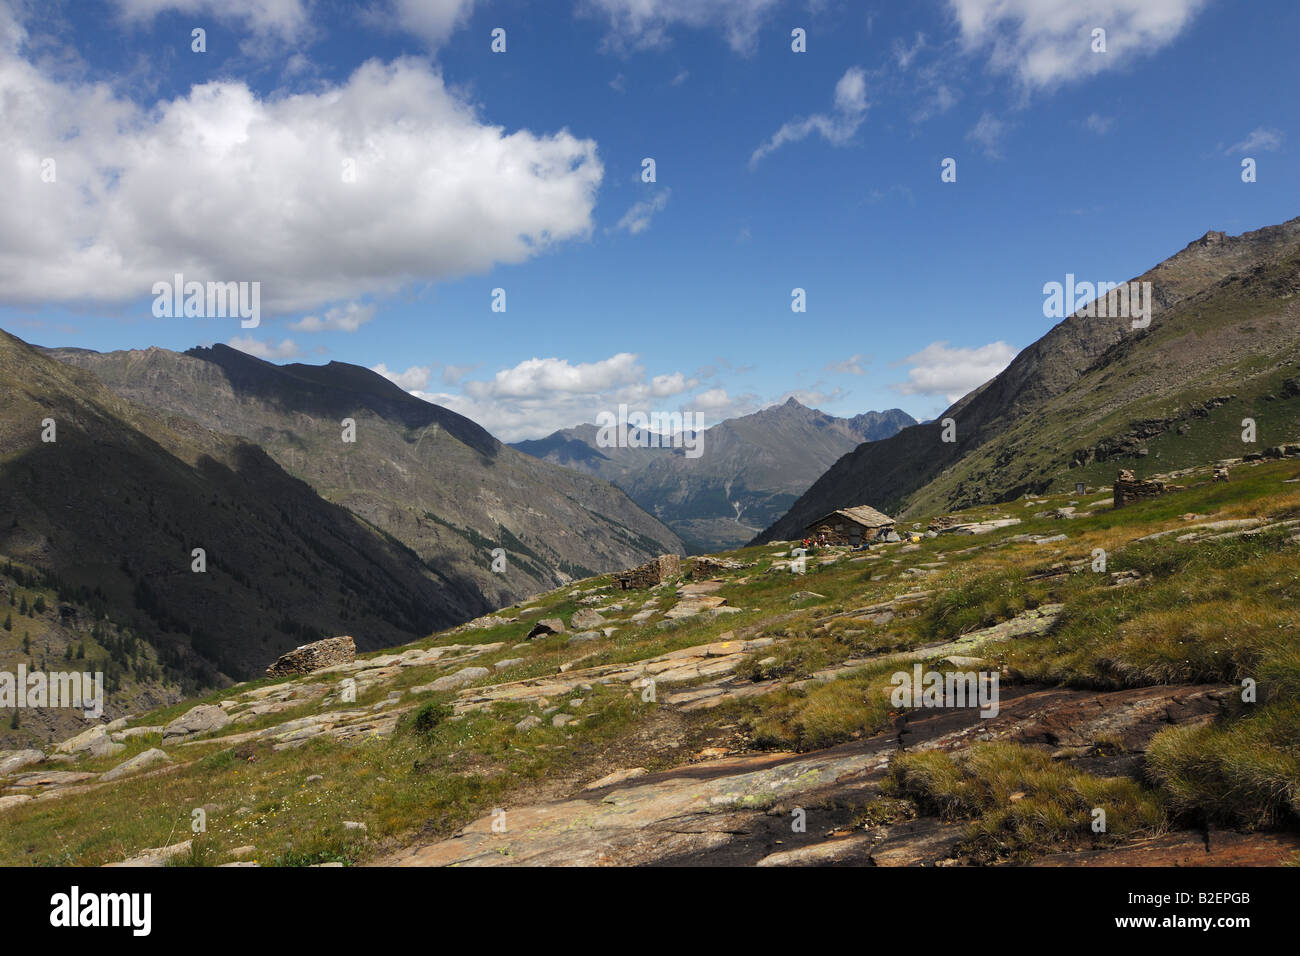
[[315, 656]]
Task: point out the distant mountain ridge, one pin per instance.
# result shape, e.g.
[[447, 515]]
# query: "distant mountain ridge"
[[114, 506], [1095, 394], [750, 470], [432, 479]]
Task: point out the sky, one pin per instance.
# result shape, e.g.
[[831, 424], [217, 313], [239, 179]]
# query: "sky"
[[480, 225]]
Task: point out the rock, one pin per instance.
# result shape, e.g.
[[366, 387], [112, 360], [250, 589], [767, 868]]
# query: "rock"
[[94, 741], [51, 778], [466, 675], [559, 720], [240, 852], [140, 761], [155, 857], [198, 720], [806, 596], [508, 662], [852, 849], [18, 759], [13, 801], [314, 778], [585, 636], [315, 656], [354, 825], [547, 625], [586, 619], [618, 776], [528, 723], [691, 606]]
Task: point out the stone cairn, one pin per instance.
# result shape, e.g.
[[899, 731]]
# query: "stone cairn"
[[650, 574], [1128, 488], [313, 657]]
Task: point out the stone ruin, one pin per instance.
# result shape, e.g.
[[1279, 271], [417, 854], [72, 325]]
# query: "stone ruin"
[[650, 574], [313, 657], [702, 569], [1129, 488]]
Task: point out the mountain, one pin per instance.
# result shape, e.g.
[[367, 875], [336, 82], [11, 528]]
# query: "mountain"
[[1094, 394], [750, 469], [107, 515], [433, 480]]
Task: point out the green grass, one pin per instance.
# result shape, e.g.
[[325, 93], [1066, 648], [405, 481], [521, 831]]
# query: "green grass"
[[1020, 803]]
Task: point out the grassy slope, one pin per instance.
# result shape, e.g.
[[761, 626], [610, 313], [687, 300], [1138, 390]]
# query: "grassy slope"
[[1209, 611]]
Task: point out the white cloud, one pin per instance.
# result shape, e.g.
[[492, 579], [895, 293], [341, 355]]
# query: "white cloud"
[[1261, 138], [286, 19], [1101, 125], [343, 318], [645, 24], [541, 395], [953, 372], [266, 350], [223, 185], [849, 366], [1045, 43], [904, 54], [988, 133], [836, 128], [637, 219], [433, 21], [413, 379]]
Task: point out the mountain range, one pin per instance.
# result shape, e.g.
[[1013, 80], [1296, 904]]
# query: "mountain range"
[[304, 533], [748, 472], [1096, 394]]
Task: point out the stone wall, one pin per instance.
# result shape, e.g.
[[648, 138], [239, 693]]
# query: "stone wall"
[[312, 657], [650, 574], [1128, 488]]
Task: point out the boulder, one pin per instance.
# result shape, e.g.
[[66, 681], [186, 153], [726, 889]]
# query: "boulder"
[[586, 619], [95, 742], [198, 720], [13, 761], [547, 625], [315, 656], [141, 761]]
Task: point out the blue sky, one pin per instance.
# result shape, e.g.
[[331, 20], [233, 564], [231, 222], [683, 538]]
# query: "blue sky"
[[522, 170]]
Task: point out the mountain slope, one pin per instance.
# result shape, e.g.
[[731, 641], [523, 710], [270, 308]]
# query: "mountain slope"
[[432, 479], [113, 508], [1094, 394], [750, 470]]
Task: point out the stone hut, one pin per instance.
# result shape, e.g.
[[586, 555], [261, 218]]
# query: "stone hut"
[[851, 526], [1128, 488], [312, 657], [650, 574]]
